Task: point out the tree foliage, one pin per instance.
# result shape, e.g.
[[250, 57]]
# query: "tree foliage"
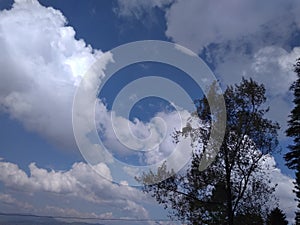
[[276, 217], [236, 184], [293, 156]]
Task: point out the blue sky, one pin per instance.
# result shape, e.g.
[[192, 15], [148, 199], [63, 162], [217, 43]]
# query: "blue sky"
[[47, 47]]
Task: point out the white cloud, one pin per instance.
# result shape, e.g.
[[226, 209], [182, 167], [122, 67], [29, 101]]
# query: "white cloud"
[[42, 69], [9, 204], [251, 39], [272, 66], [80, 183], [174, 121], [41, 63], [13, 175], [9, 200], [154, 138], [196, 24], [70, 212], [136, 8], [284, 189]]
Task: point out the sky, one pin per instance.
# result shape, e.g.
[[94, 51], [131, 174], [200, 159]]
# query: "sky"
[[48, 48]]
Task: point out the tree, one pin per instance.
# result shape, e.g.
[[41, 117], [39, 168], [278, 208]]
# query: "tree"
[[276, 217], [249, 219], [236, 184], [293, 156]]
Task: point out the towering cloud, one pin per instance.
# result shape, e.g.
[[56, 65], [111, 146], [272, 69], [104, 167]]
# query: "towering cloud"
[[41, 63]]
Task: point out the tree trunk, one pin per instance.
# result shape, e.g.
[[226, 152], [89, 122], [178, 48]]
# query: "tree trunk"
[[228, 189]]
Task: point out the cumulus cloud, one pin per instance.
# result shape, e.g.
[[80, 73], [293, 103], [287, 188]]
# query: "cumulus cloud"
[[202, 23], [7, 199], [197, 24], [271, 66], [284, 189], [151, 141], [42, 69], [173, 122], [41, 63], [70, 212], [240, 38], [80, 183]]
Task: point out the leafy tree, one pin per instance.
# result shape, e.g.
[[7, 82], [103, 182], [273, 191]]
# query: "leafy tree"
[[293, 156], [236, 184], [276, 217], [249, 219]]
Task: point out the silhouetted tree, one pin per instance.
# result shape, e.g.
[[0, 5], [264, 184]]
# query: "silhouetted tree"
[[293, 156], [277, 217], [236, 184], [249, 219]]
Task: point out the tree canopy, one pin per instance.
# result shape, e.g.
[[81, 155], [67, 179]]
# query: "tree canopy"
[[236, 185], [276, 217], [293, 156]]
